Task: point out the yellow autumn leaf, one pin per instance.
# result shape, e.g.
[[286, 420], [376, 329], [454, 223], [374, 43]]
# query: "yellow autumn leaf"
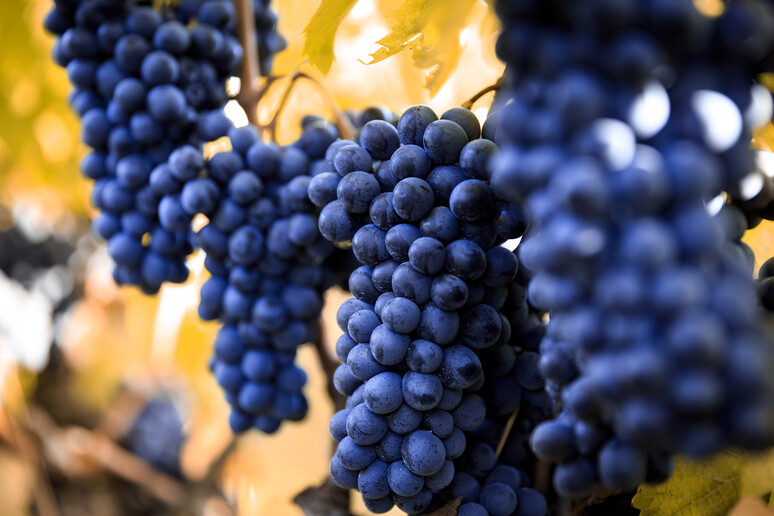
[[767, 79], [706, 488], [411, 19], [320, 32], [39, 144], [431, 29]]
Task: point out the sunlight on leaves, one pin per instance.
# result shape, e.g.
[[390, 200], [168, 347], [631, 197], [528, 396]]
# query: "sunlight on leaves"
[[432, 29], [320, 33], [710, 8], [54, 137], [38, 130], [767, 79]]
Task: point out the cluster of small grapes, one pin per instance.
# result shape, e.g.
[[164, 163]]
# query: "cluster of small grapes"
[[270, 42], [146, 82], [499, 489], [414, 200], [268, 265], [746, 208], [653, 345], [759, 204], [514, 384], [720, 113], [157, 435]]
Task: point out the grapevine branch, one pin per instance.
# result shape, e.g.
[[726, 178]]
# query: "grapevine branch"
[[45, 501], [253, 87], [79, 446], [203, 486], [117, 420], [76, 451], [249, 90]]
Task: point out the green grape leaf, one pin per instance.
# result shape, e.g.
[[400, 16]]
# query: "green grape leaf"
[[705, 488], [320, 32], [767, 79], [431, 29]]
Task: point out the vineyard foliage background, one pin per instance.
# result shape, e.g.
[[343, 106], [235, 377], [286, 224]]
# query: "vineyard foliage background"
[[372, 52]]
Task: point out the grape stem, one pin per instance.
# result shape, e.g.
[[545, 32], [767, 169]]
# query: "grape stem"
[[250, 99], [250, 73], [344, 126], [78, 450], [506, 433], [253, 87], [468, 104]]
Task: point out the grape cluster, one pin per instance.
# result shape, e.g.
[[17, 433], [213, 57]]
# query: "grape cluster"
[[268, 41], [751, 203], [513, 381], [157, 435], [146, 84], [414, 201], [654, 346], [499, 493], [269, 267]]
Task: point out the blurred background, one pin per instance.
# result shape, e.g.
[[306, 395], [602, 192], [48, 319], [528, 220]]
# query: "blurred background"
[[106, 403]]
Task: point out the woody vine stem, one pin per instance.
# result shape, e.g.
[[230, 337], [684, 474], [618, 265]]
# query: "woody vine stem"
[[254, 87]]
